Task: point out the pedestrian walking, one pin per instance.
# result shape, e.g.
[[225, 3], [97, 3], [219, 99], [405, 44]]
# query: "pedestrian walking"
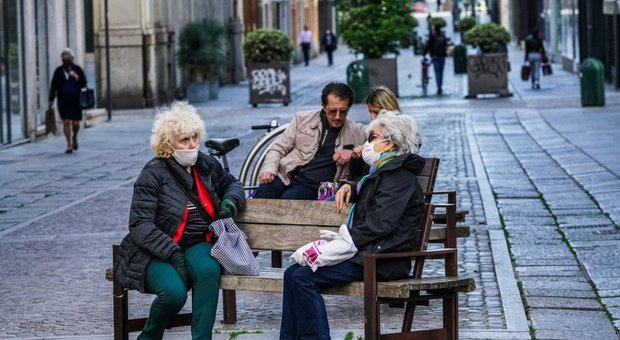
[[305, 41], [330, 43], [67, 82], [436, 45], [178, 194], [535, 54]]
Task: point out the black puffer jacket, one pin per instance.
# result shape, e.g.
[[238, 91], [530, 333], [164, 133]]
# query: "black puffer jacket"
[[387, 214], [156, 211]]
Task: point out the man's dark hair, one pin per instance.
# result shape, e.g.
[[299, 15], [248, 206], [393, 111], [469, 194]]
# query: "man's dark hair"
[[340, 90]]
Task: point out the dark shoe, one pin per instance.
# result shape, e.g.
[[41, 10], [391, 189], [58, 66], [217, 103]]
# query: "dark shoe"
[[69, 151], [439, 92], [75, 144]]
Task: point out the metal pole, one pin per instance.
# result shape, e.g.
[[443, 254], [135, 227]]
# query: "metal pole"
[[107, 60]]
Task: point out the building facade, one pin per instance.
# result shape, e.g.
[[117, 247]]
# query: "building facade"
[[143, 68]]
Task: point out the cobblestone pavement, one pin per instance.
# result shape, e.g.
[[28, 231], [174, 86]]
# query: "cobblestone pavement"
[[538, 174]]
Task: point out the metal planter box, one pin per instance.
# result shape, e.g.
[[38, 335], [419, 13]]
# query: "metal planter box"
[[488, 74], [269, 82], [383, 72]]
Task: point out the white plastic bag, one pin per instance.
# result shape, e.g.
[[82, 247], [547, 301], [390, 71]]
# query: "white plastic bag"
[[332, 248]]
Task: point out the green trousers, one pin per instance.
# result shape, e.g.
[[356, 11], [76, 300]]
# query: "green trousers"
[[163, 280]]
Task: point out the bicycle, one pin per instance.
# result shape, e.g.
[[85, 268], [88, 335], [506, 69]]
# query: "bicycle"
[[219, 147], [425, 66]]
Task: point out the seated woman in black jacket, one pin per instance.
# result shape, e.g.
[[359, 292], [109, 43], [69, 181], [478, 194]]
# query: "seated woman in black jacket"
[[388, 205], [168, 248]]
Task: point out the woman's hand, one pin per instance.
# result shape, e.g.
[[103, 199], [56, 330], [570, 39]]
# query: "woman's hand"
[[357, 152], [343, 197]]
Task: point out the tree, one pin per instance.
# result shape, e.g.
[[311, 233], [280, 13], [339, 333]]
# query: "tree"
[[375, 27]]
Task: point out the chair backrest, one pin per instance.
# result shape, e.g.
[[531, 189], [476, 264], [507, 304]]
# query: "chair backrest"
[[428, 175]]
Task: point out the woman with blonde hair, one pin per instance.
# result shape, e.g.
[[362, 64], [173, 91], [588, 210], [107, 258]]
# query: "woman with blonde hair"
[[176, 197], [381, 98]]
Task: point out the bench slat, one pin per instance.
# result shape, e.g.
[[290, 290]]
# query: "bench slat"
[[270, 280], [291, 212], [291, 237]]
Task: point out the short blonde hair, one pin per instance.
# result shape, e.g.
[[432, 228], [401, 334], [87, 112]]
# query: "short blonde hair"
[[171, 121]]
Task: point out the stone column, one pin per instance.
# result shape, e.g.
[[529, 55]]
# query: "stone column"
[[30, 58]]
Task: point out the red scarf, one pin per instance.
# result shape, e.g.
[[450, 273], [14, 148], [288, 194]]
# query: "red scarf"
[[207, 203]]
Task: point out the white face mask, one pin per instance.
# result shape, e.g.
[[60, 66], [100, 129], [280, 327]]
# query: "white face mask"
[[186, 157], [369, 155]]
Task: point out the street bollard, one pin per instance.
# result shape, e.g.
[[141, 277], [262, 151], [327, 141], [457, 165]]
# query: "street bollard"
[[460, 59], [591, 74], [357, 79]]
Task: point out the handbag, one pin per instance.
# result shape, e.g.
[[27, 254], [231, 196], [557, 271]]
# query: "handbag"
[[327, 191], [332, 248], [525, 72], [50, 122], [544, 58], [547, 70], [231, 249], [87, 98]]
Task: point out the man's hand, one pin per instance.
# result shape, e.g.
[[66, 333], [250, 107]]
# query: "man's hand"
[[74, 75], [343, 196], [50, 104], [342, 157], [266, 177]]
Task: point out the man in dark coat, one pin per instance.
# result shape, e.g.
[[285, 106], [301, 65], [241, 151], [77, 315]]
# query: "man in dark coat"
[[330, 43], [436, 45]]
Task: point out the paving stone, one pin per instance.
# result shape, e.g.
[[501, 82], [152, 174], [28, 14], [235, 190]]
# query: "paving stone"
[[571, 324], [563, 303]]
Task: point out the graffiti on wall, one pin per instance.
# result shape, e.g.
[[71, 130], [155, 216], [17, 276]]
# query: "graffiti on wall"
[[494, 65], [268, 80]]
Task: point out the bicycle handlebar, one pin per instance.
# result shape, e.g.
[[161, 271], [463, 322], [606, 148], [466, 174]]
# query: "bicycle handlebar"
[[272, 125]]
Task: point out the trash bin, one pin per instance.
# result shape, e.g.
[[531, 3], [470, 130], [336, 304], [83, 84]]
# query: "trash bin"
[[592, 81], [357, 79], [460, 59]]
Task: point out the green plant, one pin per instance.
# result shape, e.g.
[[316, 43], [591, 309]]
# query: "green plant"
[[490, 37], [466, 24], [375, 28], [200, 48], [266, 45], [437, 21]]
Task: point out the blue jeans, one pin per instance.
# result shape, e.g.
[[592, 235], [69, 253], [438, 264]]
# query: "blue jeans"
[[438, 64], [294, 191], [303, 308]]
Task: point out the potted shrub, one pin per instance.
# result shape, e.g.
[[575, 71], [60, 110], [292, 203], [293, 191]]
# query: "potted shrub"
[[376, 28], [464, 25], [487, 72], [268, 54], [200, 55], [436, 21]]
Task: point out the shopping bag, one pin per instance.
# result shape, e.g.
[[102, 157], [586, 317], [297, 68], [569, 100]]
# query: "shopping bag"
[[231, 249], [50, 122], [547, 70], [87, 98], [525, 72], [332, 248]]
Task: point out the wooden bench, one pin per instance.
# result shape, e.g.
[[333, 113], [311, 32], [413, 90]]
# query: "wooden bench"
[[291, 224]]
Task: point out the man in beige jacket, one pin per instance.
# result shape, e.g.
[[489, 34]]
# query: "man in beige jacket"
[[314, 148]]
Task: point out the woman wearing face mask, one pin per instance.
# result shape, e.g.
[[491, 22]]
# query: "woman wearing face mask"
[[168, 248], [388, 205]]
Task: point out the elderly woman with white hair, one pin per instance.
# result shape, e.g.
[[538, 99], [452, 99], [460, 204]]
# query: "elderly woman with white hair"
[[387, 207], [176, 197], [67, 82]]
